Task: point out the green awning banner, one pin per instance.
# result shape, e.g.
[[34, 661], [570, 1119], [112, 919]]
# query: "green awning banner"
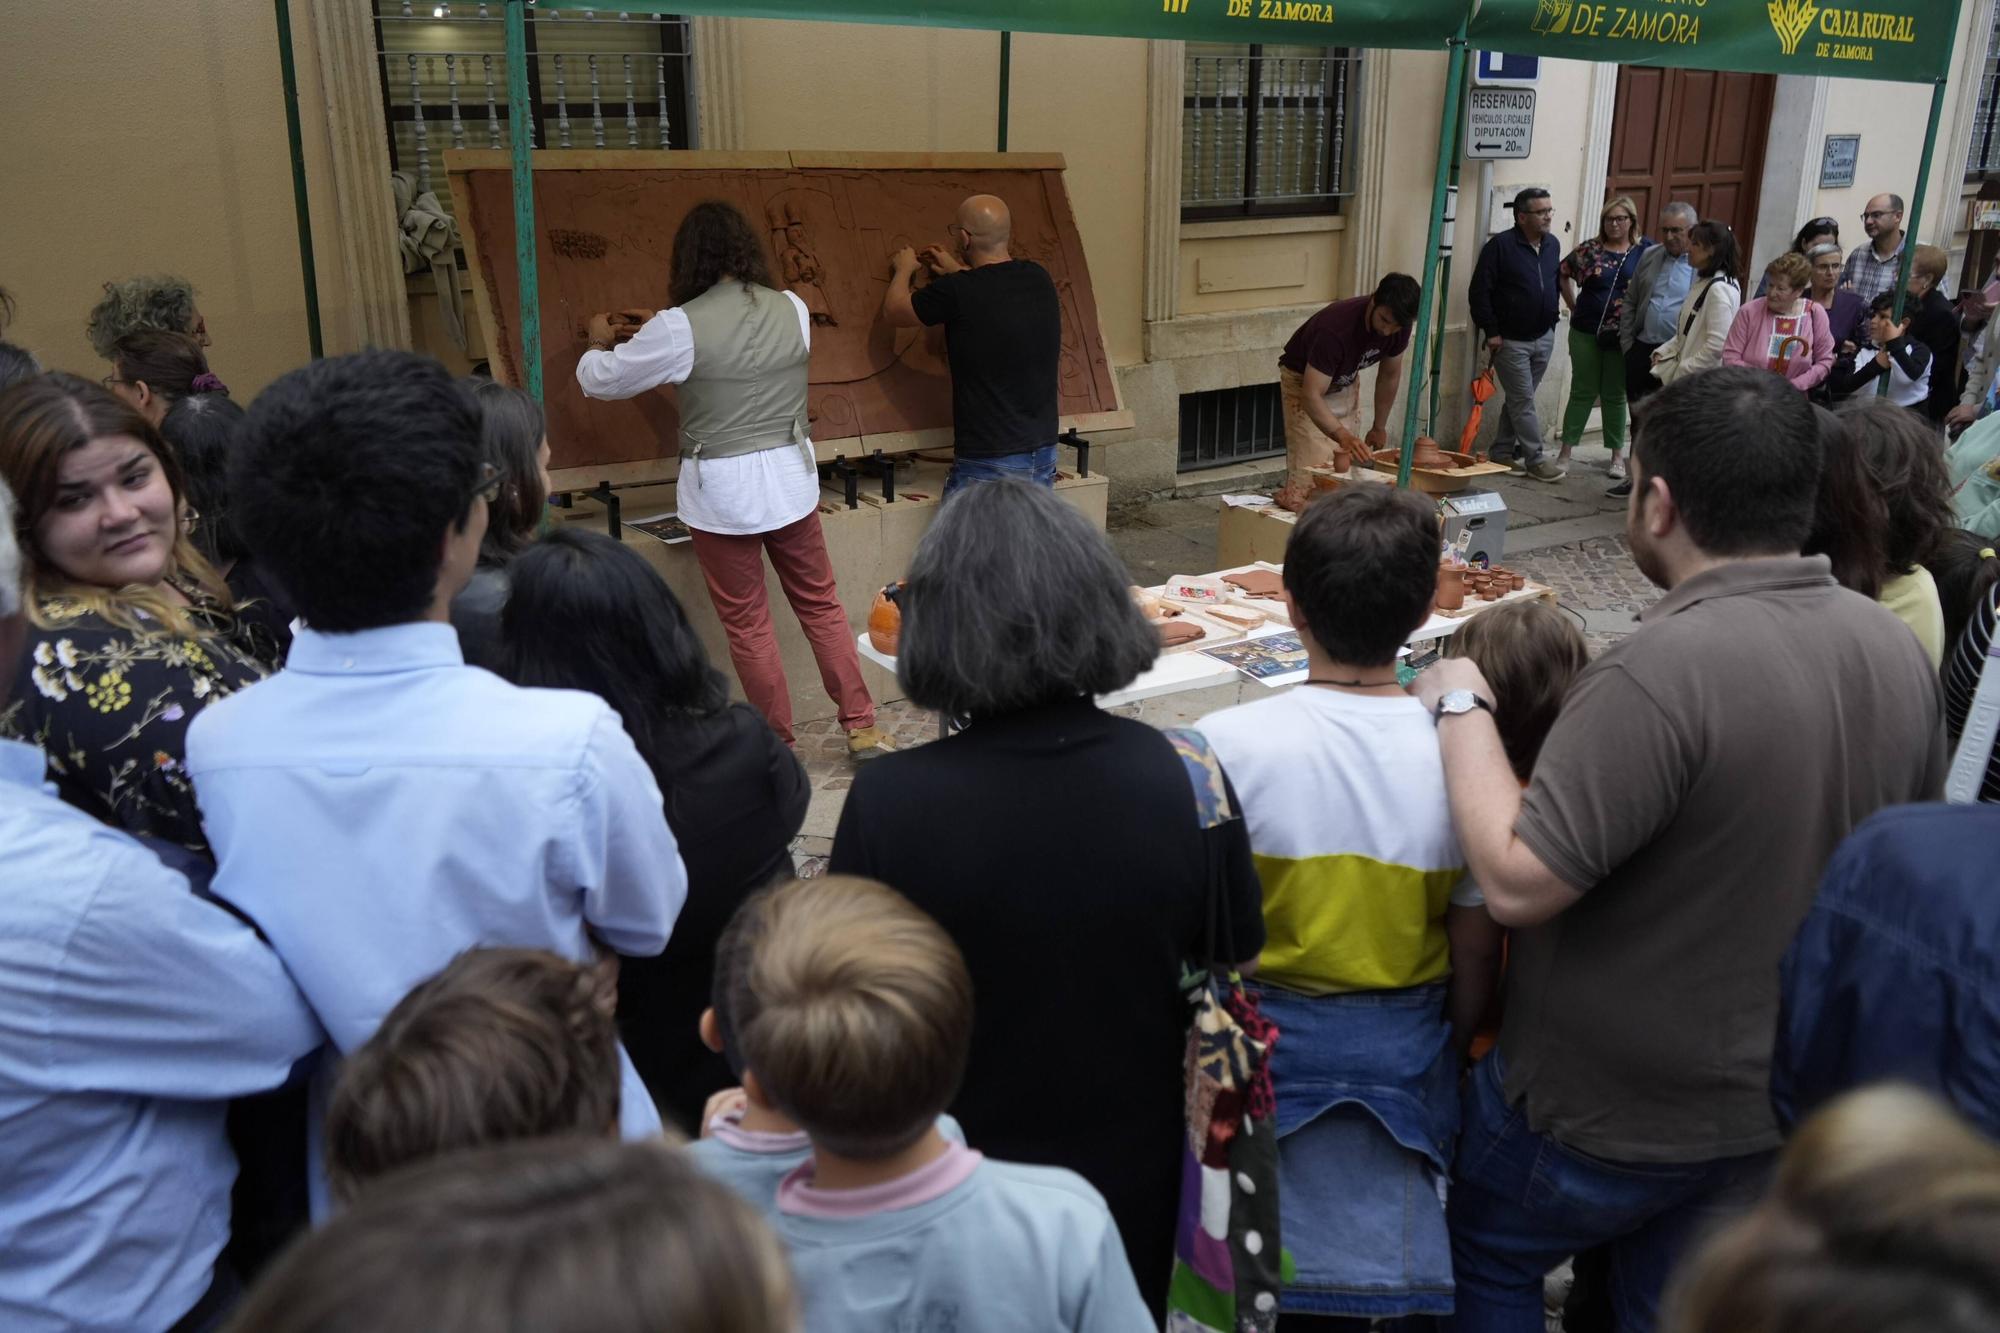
[[1407, 24], [1899, 40]]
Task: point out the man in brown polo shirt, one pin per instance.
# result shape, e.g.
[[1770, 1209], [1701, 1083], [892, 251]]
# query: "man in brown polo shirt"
[[1680, 817]]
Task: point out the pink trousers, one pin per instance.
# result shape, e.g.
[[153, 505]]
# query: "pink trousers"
[[733, 567]]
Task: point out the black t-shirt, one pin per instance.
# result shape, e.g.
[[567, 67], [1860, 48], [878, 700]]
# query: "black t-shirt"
[[1003, 334], [1060, 849], [735, 798]]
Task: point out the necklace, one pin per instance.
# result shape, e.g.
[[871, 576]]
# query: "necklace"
[[1354, 684]]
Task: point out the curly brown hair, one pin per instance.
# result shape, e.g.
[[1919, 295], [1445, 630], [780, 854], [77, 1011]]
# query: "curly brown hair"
[[715, 241]]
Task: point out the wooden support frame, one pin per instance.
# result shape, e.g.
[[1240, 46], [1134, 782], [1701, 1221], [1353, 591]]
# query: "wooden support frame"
[[664, 471]]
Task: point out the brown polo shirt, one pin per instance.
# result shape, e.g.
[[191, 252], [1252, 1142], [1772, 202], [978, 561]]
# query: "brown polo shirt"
[[1696, 784]]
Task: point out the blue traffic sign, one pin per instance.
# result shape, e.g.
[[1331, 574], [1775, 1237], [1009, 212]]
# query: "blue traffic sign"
[[1497, 69]]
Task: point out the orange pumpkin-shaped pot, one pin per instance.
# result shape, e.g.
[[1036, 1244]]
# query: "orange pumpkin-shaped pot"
[[885, 620]]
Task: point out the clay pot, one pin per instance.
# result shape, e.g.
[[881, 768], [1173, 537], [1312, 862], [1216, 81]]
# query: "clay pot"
[[1450, 589], [885, 620], [1518, 581], [1427, 454]]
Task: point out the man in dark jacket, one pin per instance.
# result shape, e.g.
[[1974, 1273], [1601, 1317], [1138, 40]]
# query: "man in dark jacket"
[[1514, 289]]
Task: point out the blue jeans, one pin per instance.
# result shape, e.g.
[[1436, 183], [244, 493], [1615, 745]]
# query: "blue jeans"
[[1036, 465], [1522, 1203]]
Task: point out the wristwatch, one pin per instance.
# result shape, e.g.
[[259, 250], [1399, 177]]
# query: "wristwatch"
[[1455, 702]]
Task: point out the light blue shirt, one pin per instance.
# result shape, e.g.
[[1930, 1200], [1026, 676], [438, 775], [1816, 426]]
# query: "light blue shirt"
[[378, 807], [1013, 1247], [1663, 304], [754, 1164], [129, 1009]]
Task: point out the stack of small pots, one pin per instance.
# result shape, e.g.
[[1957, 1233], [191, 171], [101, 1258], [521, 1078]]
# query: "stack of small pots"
[[1456, 583]]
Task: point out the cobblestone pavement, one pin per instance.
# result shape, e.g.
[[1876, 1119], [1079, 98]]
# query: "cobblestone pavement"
[[1593, 577]]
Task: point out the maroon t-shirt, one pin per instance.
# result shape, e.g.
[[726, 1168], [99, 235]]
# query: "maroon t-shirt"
[[1338, 343]]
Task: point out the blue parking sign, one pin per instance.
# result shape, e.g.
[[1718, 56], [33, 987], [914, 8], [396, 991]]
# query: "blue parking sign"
[[1497, 69]]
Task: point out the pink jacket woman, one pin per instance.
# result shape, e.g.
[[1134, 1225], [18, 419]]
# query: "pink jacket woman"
[[1805, 359]]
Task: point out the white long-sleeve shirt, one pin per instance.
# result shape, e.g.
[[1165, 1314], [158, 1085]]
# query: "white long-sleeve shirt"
[[747, 493]]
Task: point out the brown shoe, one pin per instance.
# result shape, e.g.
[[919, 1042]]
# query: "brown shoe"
[[864, 743]]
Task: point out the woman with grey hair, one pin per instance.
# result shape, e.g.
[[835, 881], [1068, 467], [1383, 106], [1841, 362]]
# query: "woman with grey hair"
[[152, 301], [1059, 844]]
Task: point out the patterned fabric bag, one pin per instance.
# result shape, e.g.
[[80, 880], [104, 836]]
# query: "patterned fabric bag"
[[1228, 1264]]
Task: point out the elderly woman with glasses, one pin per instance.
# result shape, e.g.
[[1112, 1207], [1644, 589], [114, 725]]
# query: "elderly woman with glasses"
[[1596, 278], [1817, 232]]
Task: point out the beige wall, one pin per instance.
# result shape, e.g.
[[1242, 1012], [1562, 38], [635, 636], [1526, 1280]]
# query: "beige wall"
[[180, 165], [875, 88]]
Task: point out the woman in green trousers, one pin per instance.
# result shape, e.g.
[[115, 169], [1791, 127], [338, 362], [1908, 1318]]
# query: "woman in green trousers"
[[1595, 278]]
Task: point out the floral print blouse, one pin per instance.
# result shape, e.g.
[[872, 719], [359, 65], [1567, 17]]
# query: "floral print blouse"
[[1602, 277], [111, 710]]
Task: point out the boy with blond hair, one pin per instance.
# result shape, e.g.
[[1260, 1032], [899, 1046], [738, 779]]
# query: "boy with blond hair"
[[853, 1022]]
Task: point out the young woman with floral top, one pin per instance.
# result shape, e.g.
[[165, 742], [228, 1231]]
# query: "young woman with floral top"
[[132, 632], [1595, 278]]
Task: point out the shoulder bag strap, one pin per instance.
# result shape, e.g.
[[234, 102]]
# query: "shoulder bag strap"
[[1212, 810], [1604, 316]]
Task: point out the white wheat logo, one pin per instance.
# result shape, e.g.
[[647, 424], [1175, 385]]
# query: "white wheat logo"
[[1791, 18]]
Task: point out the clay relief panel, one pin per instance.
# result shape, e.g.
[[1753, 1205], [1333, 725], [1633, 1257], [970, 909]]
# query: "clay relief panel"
[[604, 236]]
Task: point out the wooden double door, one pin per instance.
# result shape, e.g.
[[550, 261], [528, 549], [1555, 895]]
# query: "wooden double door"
[[1691, 135]]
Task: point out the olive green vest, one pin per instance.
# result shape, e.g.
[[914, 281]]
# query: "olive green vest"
[[747, 391]]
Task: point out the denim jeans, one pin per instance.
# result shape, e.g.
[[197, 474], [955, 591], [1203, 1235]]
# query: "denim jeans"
[[1522, 1203], [1036, 465], [1519, 366], [1367, 1095]]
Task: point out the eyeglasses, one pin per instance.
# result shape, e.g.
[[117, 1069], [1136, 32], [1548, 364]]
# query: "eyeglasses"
[[112, 379], [1877, 214], [488, 486], [1539, 212], [1824, 224], [1619, 217]]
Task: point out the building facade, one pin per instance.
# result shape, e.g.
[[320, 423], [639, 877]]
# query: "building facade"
[[1222, 193]]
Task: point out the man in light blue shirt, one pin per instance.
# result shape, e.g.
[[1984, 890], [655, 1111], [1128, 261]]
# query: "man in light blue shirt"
[[378, 807], [130, 1010], [1659, 287]]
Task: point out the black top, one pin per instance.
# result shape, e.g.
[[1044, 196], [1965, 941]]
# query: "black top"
[[1003, 334], [475, 614], [260, 607], [1934, 323], [735, 798], [1060, 849], [1515, 286], [111, 710]]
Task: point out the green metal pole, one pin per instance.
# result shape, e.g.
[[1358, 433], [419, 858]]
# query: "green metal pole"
[[1454, 91], [520, 121], [307, 269], [1006, 83], [1916, 212], [1444, 274], [1917, 201]]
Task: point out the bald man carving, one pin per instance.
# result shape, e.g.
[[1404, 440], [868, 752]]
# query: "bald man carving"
[[1003, 337]]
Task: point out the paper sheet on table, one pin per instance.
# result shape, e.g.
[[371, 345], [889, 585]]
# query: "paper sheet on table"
[[1247, 501], [1274, 660]]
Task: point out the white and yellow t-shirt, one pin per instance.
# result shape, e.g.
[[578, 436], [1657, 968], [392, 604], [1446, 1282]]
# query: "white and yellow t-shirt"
[[1351, 831]]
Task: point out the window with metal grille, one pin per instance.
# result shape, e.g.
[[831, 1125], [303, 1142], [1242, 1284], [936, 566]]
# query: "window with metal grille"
[[1264, 129], [1231, 425], [1984, 158], [597, 79]]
